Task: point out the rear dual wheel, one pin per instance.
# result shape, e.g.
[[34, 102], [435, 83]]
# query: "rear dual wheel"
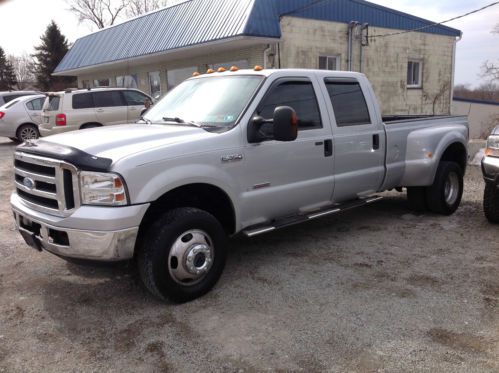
[[444, 195]]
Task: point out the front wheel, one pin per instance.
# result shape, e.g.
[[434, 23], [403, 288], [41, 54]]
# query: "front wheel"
[[444, 196], [491, 203], [183, 254], [27, 132]]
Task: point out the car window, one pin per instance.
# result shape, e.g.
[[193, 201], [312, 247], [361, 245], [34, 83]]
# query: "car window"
[[108, 99], [134, 98], [35, 104], [299, 95], [52, 103], [83, 101], [8, 98], [349, 104]]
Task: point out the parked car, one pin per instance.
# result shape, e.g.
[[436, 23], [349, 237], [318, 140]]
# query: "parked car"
[[270, 149], [490, 168], [7, 96], [20, 117], [81, 109]]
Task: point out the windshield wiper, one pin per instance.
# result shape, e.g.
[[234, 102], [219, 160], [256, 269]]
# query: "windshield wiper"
[[181, 121], [148, 121]]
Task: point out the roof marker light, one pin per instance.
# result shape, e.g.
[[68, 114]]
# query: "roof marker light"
[[221, 70], [210, 71], [234, 68], [258, 68], [195, 73]]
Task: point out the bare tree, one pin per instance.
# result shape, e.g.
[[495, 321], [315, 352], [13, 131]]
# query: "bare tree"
[[490, 70], [138, 7], [100, 13], [23, 69]]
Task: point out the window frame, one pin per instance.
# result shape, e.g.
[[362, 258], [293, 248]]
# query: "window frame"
[[330, 80], [300, 79], [419, 84], [336, 57]]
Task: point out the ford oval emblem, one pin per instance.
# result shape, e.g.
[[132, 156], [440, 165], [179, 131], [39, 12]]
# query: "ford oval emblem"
[[29, 183]]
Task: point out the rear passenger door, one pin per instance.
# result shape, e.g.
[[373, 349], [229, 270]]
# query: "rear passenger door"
[[359, 142], [110, 107]]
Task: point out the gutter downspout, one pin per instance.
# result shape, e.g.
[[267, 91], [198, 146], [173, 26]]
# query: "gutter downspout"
[[362, 28], [266, 56], [458, 39], [351, 26]]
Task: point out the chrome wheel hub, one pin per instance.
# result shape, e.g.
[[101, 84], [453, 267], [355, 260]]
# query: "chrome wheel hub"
[[28, 134], [191, 257], [451, 189]]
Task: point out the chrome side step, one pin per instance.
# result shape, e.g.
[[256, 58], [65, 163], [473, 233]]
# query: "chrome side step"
[[286, 222]]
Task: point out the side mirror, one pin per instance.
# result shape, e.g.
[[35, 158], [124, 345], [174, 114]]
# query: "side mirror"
[[285, 124]]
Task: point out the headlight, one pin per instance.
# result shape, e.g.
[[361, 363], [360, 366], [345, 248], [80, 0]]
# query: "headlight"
[[492, 146], [102, 189]]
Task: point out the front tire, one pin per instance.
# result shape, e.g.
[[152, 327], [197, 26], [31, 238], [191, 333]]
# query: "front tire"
[[183, 254], [27, 132], [444, 196], [491, 203]]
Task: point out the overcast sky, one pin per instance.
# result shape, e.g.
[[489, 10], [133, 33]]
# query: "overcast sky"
[[23, 21]]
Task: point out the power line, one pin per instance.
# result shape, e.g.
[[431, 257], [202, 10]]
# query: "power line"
[[435, 24]]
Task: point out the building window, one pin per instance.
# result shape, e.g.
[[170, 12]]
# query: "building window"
[[102, 82], [177, 76], [329, 62], [414, 73], [126, 81], [155, 84]]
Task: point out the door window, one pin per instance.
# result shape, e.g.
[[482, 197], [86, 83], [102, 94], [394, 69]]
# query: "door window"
[[35, 104], [299, 95], [134, 98], [349, 104], [108, 99]]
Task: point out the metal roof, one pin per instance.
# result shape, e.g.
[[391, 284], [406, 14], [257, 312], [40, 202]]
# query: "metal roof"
[[196, 22]]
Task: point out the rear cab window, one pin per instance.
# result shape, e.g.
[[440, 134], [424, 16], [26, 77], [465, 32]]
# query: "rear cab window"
[[349, 104]]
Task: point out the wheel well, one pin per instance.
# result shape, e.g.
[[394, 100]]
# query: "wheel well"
[[91, 124], [26, 124], [456, 153], [202, 196]]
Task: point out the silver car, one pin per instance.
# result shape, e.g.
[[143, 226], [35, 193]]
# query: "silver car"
[[7, 96], [20, 117]]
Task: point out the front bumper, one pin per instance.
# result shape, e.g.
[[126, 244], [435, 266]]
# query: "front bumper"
[[60, 236], [490, 169]]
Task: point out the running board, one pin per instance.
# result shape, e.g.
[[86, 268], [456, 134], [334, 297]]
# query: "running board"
[[286, 222]]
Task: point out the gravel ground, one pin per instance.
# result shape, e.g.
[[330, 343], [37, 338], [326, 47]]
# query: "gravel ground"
[[375, 289]]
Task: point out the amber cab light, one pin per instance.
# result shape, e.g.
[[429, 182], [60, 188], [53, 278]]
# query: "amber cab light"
[[210, 71], [60, 120], [234, 68], [195, 73], [221, 69], [2, 114], [258, 68]]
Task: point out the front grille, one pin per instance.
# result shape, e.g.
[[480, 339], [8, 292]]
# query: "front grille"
[[46, 185]]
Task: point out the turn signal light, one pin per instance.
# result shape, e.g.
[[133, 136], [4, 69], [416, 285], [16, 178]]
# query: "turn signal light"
[[210, 71], [234, 68], [60, 120], [258, 68], [195, 73], [2, 114]]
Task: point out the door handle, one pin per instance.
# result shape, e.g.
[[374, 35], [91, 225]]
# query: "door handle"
[[375, 142], [328, 148]]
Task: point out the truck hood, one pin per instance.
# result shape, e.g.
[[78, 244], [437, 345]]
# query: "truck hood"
[[116, 142]]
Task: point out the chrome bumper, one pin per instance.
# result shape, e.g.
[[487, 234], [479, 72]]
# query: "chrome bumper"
[[490, 169], [91, 244]]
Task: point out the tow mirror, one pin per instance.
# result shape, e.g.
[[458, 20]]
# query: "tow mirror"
[[285, 124]]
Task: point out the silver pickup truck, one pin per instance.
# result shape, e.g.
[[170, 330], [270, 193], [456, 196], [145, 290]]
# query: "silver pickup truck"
[[226, 153], [490, 168]]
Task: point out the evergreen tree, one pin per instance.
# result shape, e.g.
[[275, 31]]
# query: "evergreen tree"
[[50, 52], [7, 75]]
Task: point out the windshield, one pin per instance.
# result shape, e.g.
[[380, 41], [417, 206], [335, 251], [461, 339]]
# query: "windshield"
[[211, 102]]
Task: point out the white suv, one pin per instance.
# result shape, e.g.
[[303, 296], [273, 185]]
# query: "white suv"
[[80, 109]]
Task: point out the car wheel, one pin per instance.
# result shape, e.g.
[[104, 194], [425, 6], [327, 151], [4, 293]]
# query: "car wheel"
[[491, 203], [27, 132], [444, 196], [416, 197], [183, 254]]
